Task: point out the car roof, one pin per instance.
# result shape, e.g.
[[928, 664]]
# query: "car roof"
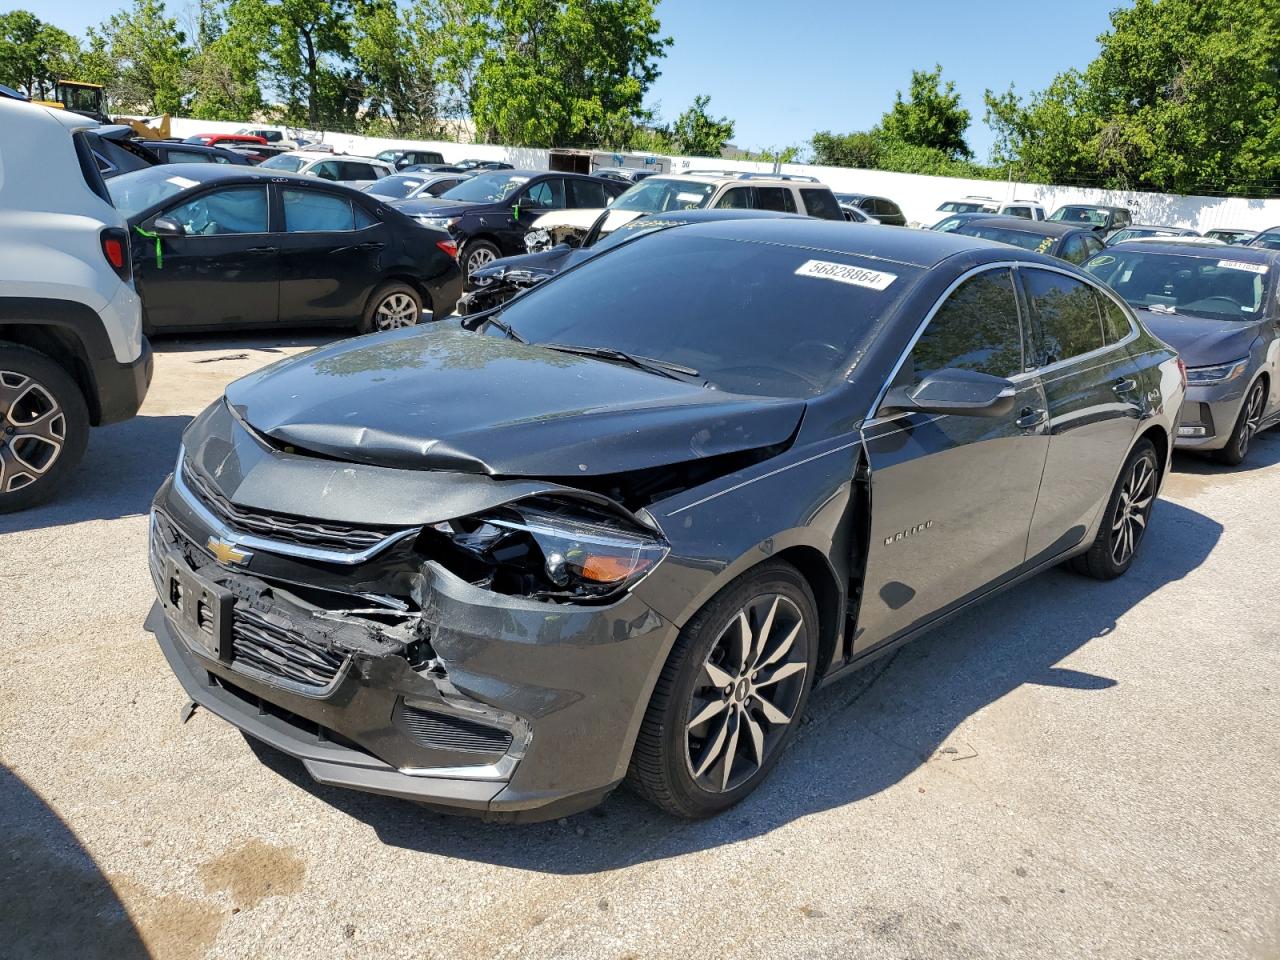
[[1158, 226], [1207, 250], [918, 248], [1046, 228]]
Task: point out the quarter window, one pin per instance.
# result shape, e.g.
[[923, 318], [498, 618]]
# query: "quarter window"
[[306, 211], [1066, 312], [975, 329], [234, 210]]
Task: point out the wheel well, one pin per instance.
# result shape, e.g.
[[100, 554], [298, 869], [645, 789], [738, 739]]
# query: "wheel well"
[[414, 282], [64, 347], [1160, 440], [813, 566]]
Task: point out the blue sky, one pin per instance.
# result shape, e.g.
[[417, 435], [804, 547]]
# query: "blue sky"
[[782, 71]]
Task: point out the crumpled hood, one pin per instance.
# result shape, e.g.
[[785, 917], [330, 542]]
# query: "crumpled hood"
[[1201, 342], [456, 400], [546, 263], [435, 207]]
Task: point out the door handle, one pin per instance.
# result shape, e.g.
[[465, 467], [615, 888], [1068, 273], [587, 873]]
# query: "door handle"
[[262, 250], [1031, 418], [1124, 385], [371, 245]]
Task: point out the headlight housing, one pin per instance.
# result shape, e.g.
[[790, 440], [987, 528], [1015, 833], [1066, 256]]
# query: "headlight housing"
[[439, 223], [1218, 373], [550, 549]]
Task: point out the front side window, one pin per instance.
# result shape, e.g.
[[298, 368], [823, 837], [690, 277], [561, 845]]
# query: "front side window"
[[222, 212], [546, 194], [976, 328], [1074, 250], [310, 211], [1066, 312]]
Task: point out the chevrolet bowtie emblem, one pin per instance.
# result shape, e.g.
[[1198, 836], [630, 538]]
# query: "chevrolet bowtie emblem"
[[227, 553]]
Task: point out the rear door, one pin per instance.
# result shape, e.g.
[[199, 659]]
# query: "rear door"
[[225, 270], [587, 194], [331, 255], [1091, 383], [953, 496]]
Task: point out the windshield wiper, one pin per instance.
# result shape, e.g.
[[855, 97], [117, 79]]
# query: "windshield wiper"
[[665, 368], [473, 321]]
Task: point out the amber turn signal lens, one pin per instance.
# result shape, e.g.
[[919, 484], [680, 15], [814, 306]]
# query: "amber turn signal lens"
[[603, 568]]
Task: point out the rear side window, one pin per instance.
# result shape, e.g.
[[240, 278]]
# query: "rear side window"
[[887, 208], [1024, 212], [778, 199], [359, 171], [820, 202], [976, 328], [306, 211], [1066, 313], [1075, 250], [583, 193]]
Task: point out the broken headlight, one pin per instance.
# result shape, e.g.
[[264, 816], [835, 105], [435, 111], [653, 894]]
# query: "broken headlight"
[[553, 550]]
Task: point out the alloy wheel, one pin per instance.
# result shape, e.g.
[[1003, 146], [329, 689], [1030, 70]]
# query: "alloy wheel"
[[1251, 416], [395, 311], [33, 429], [480, 257], [1132, 510], [747, 693]]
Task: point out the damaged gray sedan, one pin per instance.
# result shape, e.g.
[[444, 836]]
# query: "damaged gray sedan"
[[621, 529]]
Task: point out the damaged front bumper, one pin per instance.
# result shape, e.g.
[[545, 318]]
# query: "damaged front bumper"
[[454, 696]]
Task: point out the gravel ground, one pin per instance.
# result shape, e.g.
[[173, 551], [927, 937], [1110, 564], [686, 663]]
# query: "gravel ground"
[[1074, 770]]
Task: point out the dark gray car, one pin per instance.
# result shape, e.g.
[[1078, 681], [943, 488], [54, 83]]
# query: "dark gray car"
[[1218, 308], [624, 528]]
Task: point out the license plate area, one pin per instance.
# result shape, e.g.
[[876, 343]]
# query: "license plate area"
[[202, 610]]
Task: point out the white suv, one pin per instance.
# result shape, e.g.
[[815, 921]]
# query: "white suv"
[[356, 172], [72, 354]]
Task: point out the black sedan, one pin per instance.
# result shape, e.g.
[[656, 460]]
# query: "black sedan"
[[1066, 241], [624, 528], [880, 208], [488, 215], [219, 247]]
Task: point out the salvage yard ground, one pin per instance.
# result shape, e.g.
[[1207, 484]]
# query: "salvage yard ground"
[[1077, 769]]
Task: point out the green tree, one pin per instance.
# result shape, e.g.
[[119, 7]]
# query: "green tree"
[[223, 69], [557, 72], [862, 151], [34, 54], [399, 55], [931, 117], [148, 54], [1184, 96], [698, 134]]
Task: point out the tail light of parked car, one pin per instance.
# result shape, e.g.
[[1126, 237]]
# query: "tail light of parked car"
[[115, 247], [1182, 373], [449, 247]]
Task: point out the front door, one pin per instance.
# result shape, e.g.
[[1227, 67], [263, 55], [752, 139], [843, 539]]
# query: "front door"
[[952, 496], [224, 270], [331, 255], [1091, 382]]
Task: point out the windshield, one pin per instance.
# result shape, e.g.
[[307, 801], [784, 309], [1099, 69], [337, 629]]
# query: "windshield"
[[753, 318], [396, 188], [390, 156], [201, 139], [486, 188], [1136, 233], [283, 162], [1089, 215], [1221, 289], [660, 194], [131, 193], [1017, 238], [964, 206]]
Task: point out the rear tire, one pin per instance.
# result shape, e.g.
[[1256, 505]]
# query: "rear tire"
[[393, 306], [477, 254], [750, 686], [1247, 424], [1124, 524], [44, 427]]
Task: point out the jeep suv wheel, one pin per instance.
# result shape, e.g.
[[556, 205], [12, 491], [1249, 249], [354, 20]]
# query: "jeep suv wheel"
[[44, 427]]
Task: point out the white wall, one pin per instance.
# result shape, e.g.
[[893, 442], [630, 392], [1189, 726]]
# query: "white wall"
[[919, 196]]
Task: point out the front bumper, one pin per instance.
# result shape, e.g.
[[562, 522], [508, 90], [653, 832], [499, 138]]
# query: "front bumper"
[[1209, 414], [560, 689]]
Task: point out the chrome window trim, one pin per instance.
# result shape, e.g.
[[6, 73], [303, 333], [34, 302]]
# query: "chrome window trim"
[[209, 519]]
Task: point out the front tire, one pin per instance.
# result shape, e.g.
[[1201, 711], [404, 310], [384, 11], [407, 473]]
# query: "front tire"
[[730, 696], [44, 427], [1247, 424], [1124, 525], [392, 306]]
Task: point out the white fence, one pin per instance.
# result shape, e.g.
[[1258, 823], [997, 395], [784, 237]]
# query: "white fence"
[[919, 196]]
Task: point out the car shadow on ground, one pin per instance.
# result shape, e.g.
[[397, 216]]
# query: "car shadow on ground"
[[123, 467], [54, 899], [861, 736], [1264, 451], [235, 341]]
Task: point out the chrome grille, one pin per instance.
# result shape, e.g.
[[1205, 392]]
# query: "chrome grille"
[[269, 644], [283, 527]]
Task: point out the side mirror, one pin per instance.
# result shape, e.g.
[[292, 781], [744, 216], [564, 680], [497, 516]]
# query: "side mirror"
[[962, 393], [167, 227]]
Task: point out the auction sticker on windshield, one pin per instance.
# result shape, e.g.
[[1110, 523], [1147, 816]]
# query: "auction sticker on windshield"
[[1242, 265], [843, 273]]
